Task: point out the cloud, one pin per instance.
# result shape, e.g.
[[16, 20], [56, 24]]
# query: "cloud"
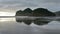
[[55, 1], [18, 4]]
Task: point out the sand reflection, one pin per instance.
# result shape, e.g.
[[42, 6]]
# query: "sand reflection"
[[6, 19]]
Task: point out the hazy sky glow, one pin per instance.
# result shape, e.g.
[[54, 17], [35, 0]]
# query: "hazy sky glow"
[[14, 5], [6, 13]]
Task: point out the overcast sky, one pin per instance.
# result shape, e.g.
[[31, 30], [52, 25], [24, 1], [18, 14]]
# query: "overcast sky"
[[14, 5]]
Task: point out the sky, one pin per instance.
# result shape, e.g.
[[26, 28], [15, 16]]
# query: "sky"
[[15, 5]]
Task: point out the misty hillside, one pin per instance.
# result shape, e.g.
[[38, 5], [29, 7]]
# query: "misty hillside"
[[57, 13]]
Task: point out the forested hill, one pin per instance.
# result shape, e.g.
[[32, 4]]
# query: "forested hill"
[[35, 12]]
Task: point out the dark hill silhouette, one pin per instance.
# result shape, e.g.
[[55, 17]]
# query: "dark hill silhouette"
[[20, 12], [42, 12], [34, 13], [26, 12]]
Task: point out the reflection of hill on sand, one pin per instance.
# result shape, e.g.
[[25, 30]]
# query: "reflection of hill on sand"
[[16, 28], [36, 20]]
